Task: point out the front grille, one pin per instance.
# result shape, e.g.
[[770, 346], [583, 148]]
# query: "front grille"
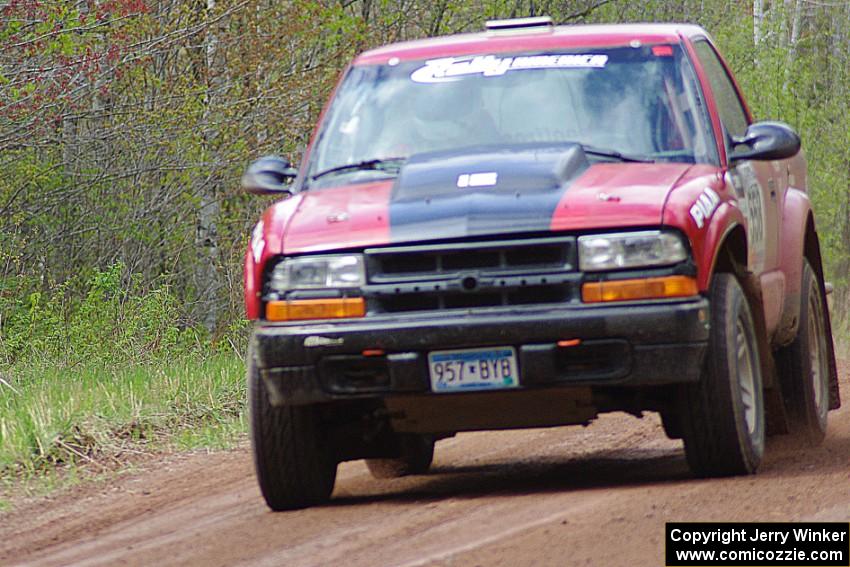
[[465, 275], [436, 261]]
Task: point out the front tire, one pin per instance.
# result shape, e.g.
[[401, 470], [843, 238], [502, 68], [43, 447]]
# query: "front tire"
[[723, 423], [294, 463], [804, 366]]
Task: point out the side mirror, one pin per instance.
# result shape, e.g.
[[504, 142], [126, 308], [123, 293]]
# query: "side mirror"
[[269, 175], [765, 141]]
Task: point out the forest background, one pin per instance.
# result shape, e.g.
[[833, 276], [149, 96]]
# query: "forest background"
[[126, 124]]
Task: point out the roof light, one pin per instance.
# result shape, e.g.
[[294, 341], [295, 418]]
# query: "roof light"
[[519, 23]]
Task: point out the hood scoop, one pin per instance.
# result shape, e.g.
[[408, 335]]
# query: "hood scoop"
[[482, 191]]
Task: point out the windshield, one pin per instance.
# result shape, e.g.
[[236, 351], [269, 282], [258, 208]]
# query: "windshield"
[[639, 102]]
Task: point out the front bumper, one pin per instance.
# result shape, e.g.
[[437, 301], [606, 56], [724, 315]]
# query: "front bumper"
[[646, 344]]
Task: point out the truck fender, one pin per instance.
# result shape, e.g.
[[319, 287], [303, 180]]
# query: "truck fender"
[[705, 209], [266, 242], [721, 245]]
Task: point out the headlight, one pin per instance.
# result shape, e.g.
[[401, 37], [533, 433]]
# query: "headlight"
[[630, 250], [318, 272]]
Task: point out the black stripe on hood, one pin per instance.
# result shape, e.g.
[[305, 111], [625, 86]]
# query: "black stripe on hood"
[[482, 191]]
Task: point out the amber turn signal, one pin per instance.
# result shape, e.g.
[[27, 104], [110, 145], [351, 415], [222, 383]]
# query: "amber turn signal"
[[642, 288], [301, 309]]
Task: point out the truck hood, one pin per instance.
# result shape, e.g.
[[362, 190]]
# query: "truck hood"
[[481, 193]]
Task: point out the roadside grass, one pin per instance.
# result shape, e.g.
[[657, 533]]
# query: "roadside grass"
[[95, 416], [98, 372]]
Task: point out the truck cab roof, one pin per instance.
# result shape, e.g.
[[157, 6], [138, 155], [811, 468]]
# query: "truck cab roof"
[[530, 38]]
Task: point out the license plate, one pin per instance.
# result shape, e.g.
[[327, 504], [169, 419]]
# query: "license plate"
[[473, 369]]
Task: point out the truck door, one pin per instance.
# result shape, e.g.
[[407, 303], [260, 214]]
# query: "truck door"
[[758, 185]]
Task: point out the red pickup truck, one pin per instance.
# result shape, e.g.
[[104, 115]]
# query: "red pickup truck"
[[527, 227]]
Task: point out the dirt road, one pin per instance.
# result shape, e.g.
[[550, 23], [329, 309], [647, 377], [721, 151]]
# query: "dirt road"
[[567, 496]]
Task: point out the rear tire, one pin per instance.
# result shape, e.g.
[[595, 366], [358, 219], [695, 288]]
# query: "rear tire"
[[722, 416], [417, 453], [295, 465], [804, 366]]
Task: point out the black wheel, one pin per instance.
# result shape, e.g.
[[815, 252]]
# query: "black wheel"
[[417, 453], [295, 466], [723, 424], [804, 365]]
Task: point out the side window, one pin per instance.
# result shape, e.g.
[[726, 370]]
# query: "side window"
[[728, 104]]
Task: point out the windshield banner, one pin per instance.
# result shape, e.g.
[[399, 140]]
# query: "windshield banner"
[[454, 68]]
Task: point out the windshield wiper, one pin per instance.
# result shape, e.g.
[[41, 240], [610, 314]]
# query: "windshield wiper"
[[604, 152], [392, 165]]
